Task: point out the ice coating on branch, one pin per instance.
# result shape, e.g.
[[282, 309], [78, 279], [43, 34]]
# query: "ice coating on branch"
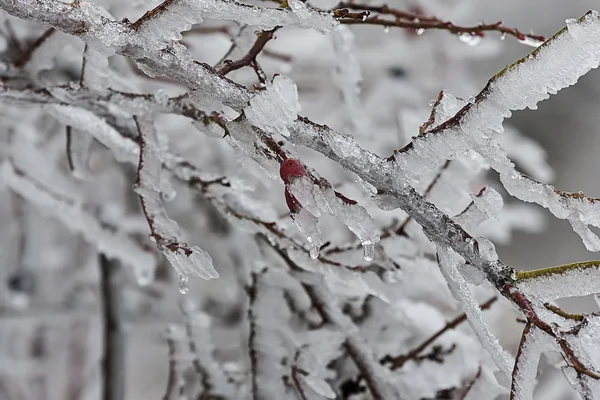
[[165, 23], [319, 199], [95, 70], [199, 324], [243, 136], [581, 279], [527, 153], [347, 77], [109, 242], [570, 54], [320, 347], [307, 225], [449, 263], [485, 205], [124, 149], [268, 336], [276, 107], [526, 367], [166, 233]]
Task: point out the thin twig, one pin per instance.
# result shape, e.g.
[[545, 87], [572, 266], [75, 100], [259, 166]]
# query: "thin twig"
[[28, 52], [398, 361], [250, 57], [407, 19], [113, 359], [173, 376]]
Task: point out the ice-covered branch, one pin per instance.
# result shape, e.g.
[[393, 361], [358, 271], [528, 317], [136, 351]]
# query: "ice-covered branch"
[[398, 361], [171, 17], [113, 244], [355, 343], [164, 231]]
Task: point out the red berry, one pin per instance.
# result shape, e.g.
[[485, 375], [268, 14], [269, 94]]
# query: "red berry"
[[292, 203], [291, 169]]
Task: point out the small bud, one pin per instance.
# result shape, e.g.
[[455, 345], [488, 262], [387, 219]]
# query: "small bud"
[[291, 169]]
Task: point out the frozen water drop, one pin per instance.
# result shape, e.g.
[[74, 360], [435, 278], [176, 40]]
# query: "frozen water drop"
[[314, 251], [365, 15], [469, 38], [183, 284], [386, 29], [420, 31], [503, 36], [369, 250], [529, 41]]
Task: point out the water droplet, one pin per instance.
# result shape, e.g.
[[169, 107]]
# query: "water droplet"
[[529, 41], [503, 36], [365, 15], [420, 31], [314, 251], [469, 39], [570, 21], [386, 29], [183, 284], [369, 250]]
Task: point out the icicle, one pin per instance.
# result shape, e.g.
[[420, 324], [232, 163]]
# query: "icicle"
[[276, 107], [347, 77], [369, 250], [183, 283], [167, 234]]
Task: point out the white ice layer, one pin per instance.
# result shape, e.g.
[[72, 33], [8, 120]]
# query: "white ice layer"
[[347, 77], [557, 64], [276, 107], [167, 23], [170, 240], [580, 281], [112, 244], [449, 263], [526, 368], [319, 200]]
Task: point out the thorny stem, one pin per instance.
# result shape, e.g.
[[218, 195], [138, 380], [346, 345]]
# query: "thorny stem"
[[398, 361], [406, 19]]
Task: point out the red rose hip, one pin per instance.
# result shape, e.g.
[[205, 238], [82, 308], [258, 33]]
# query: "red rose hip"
[[291, 169]]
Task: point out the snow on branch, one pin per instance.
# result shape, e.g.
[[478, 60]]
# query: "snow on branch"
[[110, 242], [570, 53], [549, 284], [164, 231], [168, 19]]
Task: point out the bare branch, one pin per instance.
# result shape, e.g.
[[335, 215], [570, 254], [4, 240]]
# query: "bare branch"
[[410, 20], [398, 361]]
